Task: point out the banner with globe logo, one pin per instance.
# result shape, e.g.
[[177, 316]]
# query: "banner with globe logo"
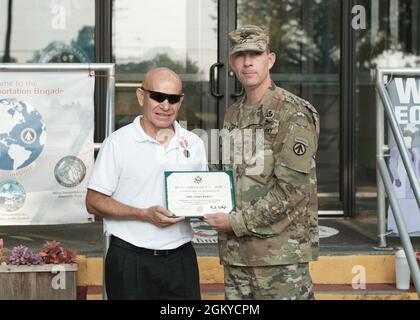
[[46, 146]]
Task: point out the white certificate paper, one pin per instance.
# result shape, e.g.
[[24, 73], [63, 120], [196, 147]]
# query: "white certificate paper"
[[195, 193]]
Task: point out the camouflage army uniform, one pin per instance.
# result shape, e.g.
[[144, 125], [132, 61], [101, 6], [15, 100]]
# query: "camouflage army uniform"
[[275, 226]]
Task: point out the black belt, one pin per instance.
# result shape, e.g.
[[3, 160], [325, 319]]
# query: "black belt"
[[156, 253]]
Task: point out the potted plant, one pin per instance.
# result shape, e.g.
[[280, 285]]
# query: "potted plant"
[[49, 274]]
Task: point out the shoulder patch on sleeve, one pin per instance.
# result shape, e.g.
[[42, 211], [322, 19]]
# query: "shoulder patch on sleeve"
[[298, 149]]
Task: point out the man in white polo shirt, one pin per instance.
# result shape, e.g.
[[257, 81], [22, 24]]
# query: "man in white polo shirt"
[[150, 254]]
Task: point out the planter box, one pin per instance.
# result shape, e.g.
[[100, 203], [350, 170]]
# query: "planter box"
[[43, 282]]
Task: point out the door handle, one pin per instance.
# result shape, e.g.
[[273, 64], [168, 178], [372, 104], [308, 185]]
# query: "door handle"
[[238, 94], [213, 91]]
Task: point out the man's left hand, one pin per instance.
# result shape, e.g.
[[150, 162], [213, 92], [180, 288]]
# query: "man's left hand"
[[219, 221]]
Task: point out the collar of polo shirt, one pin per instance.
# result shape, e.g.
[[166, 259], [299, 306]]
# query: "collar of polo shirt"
[[141, 136]]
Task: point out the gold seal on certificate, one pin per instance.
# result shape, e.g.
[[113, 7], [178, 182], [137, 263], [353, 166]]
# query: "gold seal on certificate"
[[195, 193]]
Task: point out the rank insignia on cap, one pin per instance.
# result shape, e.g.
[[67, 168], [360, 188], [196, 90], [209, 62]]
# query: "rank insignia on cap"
[[249, 38]]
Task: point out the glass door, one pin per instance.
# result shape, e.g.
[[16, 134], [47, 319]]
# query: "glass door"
[[181, 35], [306, 37]]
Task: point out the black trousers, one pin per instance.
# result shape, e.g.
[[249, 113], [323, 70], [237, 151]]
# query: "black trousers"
[[143, 274]]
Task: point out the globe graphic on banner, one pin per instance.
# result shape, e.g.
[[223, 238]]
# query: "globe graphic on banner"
[[22, 134]]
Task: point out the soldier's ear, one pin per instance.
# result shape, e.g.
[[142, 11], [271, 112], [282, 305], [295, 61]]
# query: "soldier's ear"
[[271, 59]]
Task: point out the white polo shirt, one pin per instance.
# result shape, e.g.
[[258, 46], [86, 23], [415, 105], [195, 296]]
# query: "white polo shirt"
[[130, 169]]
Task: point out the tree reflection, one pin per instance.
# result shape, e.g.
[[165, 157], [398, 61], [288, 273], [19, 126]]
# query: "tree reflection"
[[82, 49], [301, 32], [6, 56], [389, 41], [159, 60]]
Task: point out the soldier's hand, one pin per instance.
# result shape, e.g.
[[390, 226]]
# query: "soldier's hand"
[[218, 221], [160, 217]]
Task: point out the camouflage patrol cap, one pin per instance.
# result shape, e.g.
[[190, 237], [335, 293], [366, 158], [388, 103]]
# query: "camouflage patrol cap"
[[248, 38]]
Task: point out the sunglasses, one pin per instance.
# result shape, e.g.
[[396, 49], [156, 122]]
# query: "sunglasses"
[[160, 96]]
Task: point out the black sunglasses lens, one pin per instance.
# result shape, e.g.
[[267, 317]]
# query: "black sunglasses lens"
[[172, 98], [157, 96], [160, 97]]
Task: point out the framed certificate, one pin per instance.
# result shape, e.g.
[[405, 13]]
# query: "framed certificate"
[[195, 193]]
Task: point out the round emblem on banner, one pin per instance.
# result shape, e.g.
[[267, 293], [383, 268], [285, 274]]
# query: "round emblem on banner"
[[28, 136], [22, 134], [70, 171], [299, 149], [12, 196]]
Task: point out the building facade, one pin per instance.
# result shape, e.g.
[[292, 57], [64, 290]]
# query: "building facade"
[[327, 53]]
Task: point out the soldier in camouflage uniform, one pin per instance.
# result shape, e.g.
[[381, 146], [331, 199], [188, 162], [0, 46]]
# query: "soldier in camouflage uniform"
[[267, 243]]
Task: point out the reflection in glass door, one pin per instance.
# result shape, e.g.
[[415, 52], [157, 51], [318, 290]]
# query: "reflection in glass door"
[[47, 31], [306, 38], [180, 35]]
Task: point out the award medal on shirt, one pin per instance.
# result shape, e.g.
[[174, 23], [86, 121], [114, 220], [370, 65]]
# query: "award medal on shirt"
[[184, 145]]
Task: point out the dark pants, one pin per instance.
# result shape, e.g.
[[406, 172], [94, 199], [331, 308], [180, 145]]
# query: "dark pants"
[[137, 273]]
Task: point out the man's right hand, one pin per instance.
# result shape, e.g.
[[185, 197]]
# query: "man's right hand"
[[104, 206], [159, 216]]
